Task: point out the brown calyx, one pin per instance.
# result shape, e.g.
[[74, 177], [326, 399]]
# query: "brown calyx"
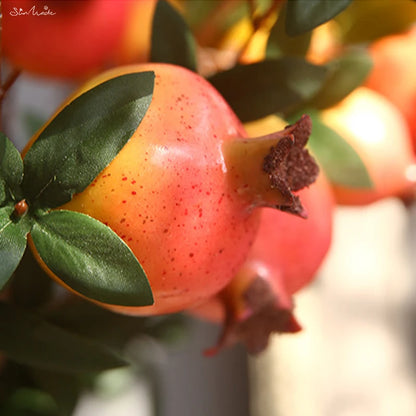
[[265, 314], [290, 166]]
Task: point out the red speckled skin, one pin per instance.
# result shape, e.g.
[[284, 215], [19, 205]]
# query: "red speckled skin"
[[76, 41], [169, 195]]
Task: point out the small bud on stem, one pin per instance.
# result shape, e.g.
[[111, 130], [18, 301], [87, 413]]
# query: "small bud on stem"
[[20, 209]]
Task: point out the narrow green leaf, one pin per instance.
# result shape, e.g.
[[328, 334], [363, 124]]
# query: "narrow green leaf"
[[30, 340], [84, 138], [11, 169], [345, 75], [90, 258], [305, 15], [12, 242], [272, 86], [280, 43], [172, 40], [342, 165]]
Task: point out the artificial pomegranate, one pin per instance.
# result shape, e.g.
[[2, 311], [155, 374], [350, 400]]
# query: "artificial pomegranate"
[[378, 132], [65, 39], [183, 192], [285, 257]]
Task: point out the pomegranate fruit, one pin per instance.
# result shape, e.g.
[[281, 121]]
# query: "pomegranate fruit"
[[66, 39], [378, 132], [182, 192], [287, 252], [395, 54]]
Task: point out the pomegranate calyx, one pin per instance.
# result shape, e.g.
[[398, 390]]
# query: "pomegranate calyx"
[[290, 166], [265, 314]]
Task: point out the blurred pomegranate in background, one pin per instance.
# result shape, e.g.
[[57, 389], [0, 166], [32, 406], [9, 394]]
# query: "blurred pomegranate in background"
[[378, 132], [393, 74], [65, 39]]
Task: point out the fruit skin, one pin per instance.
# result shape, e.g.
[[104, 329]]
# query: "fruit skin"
[[377, 131], [393, 73], [176, 193], [285, 257], [75, 42]]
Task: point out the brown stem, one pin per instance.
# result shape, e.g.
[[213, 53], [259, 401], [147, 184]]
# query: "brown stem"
[[9, 82], [257, 21]]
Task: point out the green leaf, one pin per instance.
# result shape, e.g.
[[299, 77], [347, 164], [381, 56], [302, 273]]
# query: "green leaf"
[[305, 15], [86, 318], [84, 138], [272, 86], [12, 242], [64, 388], [90, 258], [30, 287], [32, 122], [367, 21], [30, 340], [11, 170], [345, 75], [342, 165], [29, 401], [280, 44], [172, 40]]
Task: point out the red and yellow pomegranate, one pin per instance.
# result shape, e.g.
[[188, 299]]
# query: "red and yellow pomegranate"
[[183, 192]]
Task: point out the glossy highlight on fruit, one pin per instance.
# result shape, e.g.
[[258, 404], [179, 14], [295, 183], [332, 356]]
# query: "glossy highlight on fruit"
[[183, 192]]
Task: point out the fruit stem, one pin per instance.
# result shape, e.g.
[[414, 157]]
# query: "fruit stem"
[[267, 170]]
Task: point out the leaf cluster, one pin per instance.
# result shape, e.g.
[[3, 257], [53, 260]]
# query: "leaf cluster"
[[86, 254]]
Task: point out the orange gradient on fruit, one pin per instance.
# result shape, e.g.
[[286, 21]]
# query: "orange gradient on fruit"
[[378, 132], [136, 40]]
